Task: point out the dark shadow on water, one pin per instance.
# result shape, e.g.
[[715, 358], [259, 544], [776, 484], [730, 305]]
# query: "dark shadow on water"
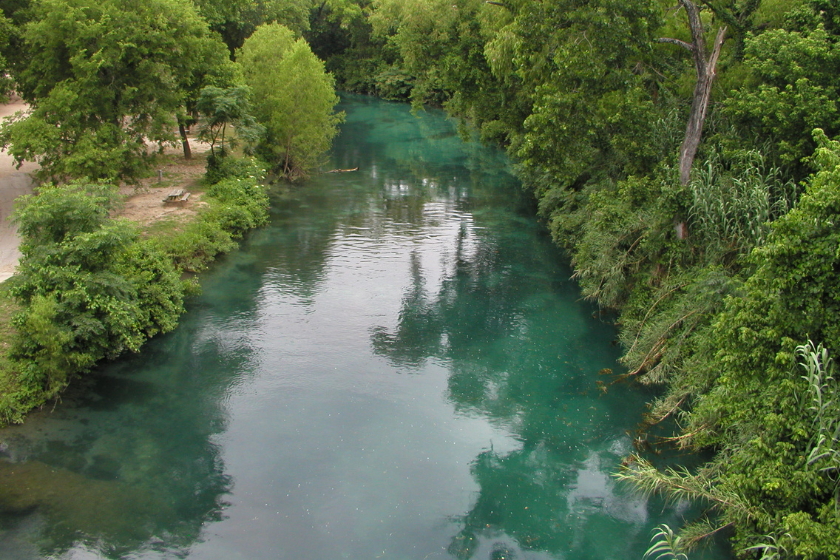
[[128, 462]]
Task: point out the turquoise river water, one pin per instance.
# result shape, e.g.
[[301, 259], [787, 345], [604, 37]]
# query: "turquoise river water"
[[398, 367]]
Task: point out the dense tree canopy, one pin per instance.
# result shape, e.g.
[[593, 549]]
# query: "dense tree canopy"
[[795, 87], [104, 80], [236, 20]]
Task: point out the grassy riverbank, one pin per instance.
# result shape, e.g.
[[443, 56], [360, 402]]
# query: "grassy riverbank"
[[91, 286]]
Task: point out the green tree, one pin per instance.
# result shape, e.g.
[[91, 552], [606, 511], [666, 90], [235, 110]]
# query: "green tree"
[[236, 20], [442, 55], [15, 15], [340, 34], [7, 31], [793, 88], [293, 98], [705, 69], [223, 108], [771, 475], [105, 79], [590, 69]]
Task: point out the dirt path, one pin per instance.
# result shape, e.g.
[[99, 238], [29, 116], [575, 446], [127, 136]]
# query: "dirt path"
[[13, 183], [144, 203]]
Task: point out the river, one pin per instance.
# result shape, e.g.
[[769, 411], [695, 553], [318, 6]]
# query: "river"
[[397, 367]]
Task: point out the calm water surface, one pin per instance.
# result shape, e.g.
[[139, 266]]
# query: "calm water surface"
[[398, 367]]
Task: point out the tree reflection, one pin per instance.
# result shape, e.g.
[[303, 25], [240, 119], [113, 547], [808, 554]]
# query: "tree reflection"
[[414, 162], [129, 463], [530, 500], [521, 356]]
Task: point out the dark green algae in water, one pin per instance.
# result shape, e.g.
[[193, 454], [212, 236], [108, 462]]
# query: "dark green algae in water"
[[397, 367]]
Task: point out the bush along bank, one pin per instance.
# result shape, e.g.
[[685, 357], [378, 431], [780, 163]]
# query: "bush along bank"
[[744, 346], [90, 287]]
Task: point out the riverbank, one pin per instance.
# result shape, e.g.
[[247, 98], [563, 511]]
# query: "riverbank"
[[143, 202], [99, 304], [143, 205]]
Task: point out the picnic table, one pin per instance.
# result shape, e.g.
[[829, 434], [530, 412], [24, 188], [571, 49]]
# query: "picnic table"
[[177, 195]]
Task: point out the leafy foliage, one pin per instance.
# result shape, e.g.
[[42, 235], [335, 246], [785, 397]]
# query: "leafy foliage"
[[104, 79], [89, 288], [751, 407], [7, 30], [666, 545], [236, 202], [731, 209], [341, 35], [293, 98], [236, 20], [825, 397], [223, 108], [794, 89], [81, 283]]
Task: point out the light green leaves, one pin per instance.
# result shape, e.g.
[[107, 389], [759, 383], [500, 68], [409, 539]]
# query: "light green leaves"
[[667, 545], [293, 99]]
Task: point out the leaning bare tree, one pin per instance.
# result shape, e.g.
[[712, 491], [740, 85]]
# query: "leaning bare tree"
[[705, 68]]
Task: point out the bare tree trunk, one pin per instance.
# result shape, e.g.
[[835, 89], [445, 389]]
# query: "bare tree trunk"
[[702, 90], [702, 94], [699, 106], [185, 142], [286, 169]]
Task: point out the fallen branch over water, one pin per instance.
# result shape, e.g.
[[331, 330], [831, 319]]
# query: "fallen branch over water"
[[343, 170]]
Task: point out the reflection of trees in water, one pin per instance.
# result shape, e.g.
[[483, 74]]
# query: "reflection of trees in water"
[[472, 308], [530, 500], [519, 358], [484, 300], [132, 464], [420, 335], [412, 161], [522, 482]]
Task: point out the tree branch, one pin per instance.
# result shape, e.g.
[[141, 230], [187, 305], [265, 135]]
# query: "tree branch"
[[683, 44], [721, 36]]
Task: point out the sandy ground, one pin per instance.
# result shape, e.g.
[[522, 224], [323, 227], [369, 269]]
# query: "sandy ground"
[[13, 183], [144, 203]]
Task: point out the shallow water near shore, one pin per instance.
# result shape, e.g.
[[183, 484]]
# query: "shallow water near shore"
[[397, 367]]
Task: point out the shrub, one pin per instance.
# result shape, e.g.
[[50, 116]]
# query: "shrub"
[[89, 288]]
